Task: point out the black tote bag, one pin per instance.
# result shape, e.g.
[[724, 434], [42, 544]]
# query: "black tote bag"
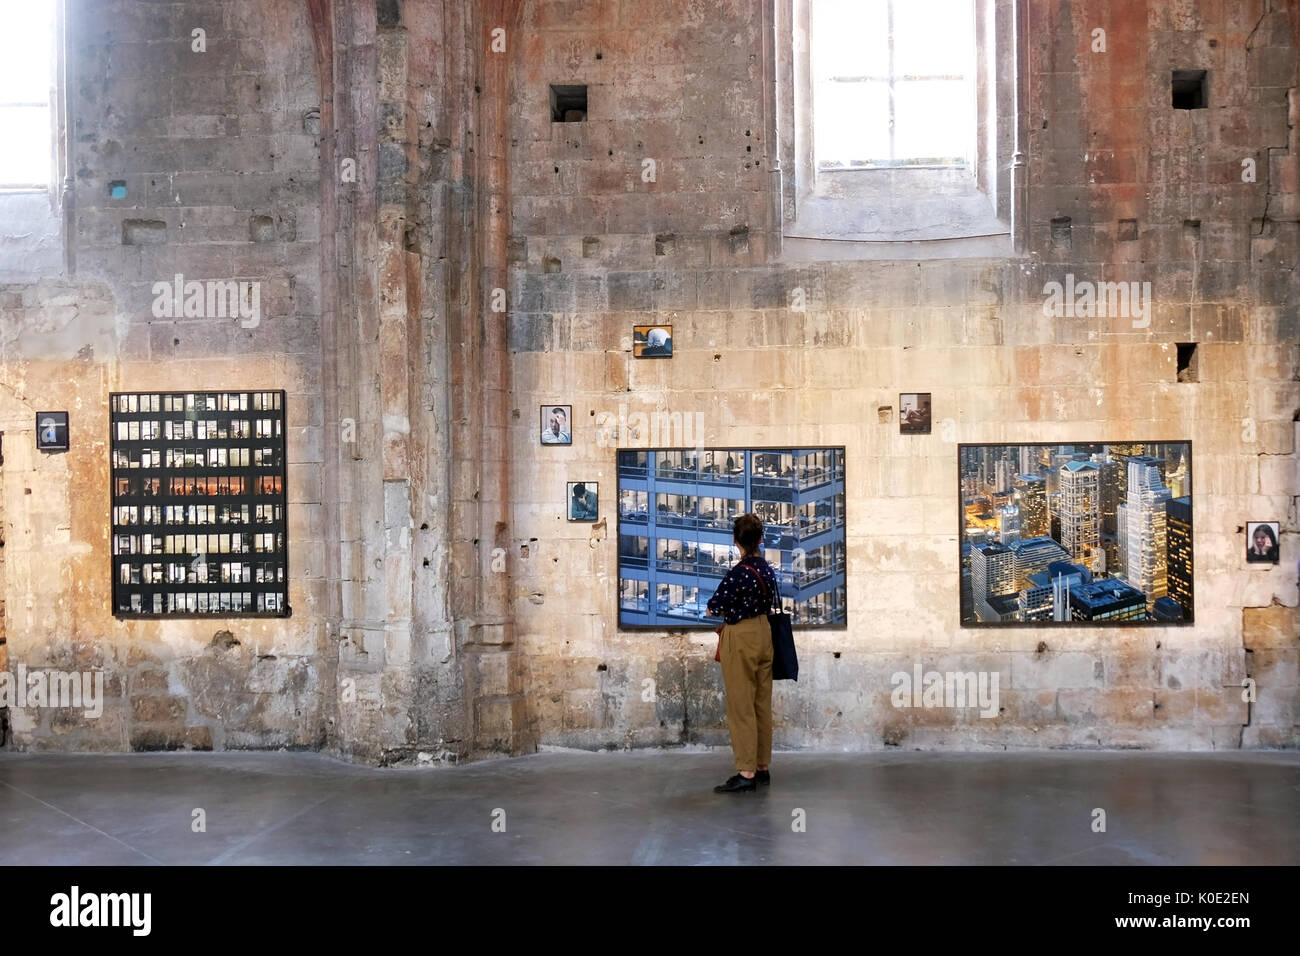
[[785, 662]]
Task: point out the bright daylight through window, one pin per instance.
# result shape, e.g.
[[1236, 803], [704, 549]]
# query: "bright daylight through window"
[[892, 83]]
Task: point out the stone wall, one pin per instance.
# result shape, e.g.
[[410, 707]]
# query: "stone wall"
[[682, 84], [443, 608]]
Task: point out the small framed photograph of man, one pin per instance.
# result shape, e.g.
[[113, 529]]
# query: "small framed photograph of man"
[[914, 413], [1262, 538], [556, 424], [652, 341], [584, 504]]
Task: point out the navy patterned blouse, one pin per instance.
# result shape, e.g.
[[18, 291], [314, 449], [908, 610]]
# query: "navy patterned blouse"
[[740, 596]]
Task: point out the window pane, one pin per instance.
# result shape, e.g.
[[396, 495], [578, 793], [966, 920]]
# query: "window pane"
[[27, 52], [922, 48], [931, 120], [25, 159], [849, 38], [851, 122]]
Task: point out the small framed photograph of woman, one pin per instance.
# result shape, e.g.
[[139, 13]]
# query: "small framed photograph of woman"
[[1262, 542]]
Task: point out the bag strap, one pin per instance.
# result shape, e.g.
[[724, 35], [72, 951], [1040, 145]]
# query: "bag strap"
[[766, 593]]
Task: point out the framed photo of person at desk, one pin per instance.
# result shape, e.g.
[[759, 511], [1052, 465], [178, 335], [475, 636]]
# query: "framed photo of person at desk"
[[583, 501]]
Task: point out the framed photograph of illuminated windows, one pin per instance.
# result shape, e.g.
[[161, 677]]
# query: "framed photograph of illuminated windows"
[[676, 509], [199, 523], [1076, 534]]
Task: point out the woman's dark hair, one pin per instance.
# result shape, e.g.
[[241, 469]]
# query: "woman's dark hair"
[[748, 531], [1268, 530]]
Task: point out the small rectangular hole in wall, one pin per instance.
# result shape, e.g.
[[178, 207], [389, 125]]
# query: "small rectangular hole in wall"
[[665, 244], [1128, 230], [568, 104], [1189, 89], [1192, 229], [1061, 231], [1187, 362], [143, 232], [117, 189], [590, 247]]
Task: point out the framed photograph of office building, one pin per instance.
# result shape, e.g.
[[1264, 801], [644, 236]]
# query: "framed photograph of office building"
[[1093, 533], [676, 508]]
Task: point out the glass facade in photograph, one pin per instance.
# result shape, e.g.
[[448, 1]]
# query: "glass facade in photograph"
[[675, 514], [1070, 534], [199, 519]]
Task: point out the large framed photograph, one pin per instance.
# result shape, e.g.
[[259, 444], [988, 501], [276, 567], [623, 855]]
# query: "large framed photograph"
[[676, 508], [557, 424], [1262, 539], [1096, 533]]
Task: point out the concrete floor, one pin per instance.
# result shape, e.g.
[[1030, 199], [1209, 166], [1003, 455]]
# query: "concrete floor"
[[654, 807]]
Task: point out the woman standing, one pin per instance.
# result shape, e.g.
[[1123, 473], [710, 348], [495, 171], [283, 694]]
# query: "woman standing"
[[745, 649]]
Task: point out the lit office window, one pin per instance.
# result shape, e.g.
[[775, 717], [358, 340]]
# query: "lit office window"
[[27, 45]]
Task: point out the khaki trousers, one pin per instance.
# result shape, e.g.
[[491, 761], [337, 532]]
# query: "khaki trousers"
[[747, 675]]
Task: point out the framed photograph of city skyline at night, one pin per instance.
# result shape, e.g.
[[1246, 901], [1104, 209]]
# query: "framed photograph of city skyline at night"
[[1074, 534], [676, 508]]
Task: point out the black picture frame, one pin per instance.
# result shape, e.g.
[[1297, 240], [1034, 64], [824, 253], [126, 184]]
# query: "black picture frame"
[[582, 501], [753, 477], [204, 465], [52, 431], [1271, 528], [546, 414], [914, 416], [1176, 608], [646, 344]]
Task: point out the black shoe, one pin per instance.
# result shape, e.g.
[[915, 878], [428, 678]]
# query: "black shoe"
[[763, 776], [736, 784]]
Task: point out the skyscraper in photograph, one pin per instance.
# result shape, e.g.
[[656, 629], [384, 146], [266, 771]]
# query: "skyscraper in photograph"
[[1009, 525], [1031, 496], [1178, 522], [992, 575], [1145, 542], [1080, 509]]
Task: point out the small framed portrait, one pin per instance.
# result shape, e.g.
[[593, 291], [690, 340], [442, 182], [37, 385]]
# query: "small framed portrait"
[[652, 341], [584, 502], [52, 431], [557, 424], [1262, 540], [914, 413]]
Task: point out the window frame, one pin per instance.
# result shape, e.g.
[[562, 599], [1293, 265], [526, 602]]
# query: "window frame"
[[39, 218], [999, 165]]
